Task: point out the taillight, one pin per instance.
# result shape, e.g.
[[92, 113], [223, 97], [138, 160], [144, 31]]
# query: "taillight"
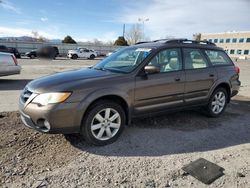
[[237, 70], [14, 59]]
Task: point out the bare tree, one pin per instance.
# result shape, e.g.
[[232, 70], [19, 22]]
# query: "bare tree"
[[135, 34], [38, 37], [197, 36], [35, 34], [97, 42]]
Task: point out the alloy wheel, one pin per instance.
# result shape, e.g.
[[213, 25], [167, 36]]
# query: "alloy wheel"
[[218, 102], [105, 124]]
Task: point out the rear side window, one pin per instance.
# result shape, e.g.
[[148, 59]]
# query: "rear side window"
[[194, 59], [6, 60], [218, 57]]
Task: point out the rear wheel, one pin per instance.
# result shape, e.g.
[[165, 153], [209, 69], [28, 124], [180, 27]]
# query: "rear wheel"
[[217, 103], [103, 123]]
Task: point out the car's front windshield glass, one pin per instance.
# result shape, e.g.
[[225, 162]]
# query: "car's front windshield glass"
[[125, 60]]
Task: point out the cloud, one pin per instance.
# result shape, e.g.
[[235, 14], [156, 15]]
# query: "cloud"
[[182, 18], [17, 32], [44, 19], [7, 5]]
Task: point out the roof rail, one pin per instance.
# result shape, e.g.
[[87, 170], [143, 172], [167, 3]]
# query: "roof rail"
[[167, 40], [189, 41], [142, 42], [180, 40]]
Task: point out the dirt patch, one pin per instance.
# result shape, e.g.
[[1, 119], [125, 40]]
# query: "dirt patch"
[[26, 152]]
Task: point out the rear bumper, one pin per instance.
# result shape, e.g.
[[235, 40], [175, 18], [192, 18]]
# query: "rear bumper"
[[10, 70], [235, 88]]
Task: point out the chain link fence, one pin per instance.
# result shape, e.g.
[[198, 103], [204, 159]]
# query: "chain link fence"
[[63, 48]]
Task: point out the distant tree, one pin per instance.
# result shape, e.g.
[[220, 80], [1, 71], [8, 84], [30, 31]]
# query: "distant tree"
[[197, 36], [121, 41], [135, 34], [69, 40]]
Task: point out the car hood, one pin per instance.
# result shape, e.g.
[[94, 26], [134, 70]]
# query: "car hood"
[[66, 80]]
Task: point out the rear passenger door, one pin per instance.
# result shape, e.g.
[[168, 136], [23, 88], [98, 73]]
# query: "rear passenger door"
[[200, 76]]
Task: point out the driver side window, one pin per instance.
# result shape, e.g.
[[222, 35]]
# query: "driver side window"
[[168, 60]]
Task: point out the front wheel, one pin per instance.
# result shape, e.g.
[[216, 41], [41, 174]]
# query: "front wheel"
[[217, 103], [74, 56], [103, 123], [92, 56]]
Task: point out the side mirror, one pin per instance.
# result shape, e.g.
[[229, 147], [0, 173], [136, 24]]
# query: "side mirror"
[[150, 69]]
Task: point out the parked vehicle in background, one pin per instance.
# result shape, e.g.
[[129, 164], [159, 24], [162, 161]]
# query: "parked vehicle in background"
[[8, 64], [143, 79], [50, 52], [10, 50], [32, 54], [100, 54], [15, 52], [82, 53]]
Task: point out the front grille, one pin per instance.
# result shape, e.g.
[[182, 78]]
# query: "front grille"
[[26, 94]]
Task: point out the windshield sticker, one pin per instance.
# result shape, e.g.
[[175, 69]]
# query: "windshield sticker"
[[143, 50]]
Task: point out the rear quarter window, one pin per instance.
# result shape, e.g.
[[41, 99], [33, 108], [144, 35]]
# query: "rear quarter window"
[[218, 57]]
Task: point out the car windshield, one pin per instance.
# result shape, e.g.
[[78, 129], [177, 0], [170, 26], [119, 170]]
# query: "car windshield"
[[124, 61]]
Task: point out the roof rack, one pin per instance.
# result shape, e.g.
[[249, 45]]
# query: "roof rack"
[[189, 41], [180, 40], [142, 42], [166, 40]]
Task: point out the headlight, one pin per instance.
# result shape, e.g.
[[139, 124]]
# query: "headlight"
[[51, 98]]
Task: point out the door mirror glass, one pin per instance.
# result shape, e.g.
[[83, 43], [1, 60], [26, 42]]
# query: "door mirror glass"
[[151, 69]]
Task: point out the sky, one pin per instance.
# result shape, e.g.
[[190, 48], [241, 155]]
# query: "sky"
[[86, 20]]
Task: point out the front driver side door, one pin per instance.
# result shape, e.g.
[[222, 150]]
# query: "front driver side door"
[[156, 92]]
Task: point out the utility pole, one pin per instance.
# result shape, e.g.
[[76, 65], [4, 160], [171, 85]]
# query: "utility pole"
[[123, 34], [143, 20]]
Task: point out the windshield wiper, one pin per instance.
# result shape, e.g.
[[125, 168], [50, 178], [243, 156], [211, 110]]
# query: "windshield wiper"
[[99, 68]]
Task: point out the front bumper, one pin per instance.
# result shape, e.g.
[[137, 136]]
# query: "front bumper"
[[56, 118], [69, 55]]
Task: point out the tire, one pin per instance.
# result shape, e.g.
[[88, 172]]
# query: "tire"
[[92, 56], [100, 130], [74, 56], [32, 57], [217, 103]]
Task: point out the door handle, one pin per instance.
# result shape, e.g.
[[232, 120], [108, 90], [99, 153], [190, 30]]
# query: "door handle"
[[177, 79], [211, 75]]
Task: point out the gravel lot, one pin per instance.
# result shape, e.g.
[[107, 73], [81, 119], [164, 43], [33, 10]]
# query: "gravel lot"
[[150, 153]]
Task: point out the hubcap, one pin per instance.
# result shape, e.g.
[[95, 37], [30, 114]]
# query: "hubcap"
[[105, 124], [218, 102]]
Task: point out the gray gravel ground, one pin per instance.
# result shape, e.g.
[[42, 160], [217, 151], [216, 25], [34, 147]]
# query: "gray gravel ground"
[[150, 153]]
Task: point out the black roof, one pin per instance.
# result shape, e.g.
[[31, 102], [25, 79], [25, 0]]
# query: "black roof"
[[177, 43]]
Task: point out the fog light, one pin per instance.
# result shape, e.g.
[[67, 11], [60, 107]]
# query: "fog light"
[[46, 124], [43, 125]]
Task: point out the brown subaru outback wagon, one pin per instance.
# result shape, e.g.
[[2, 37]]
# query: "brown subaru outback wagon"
[[146, 78]]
